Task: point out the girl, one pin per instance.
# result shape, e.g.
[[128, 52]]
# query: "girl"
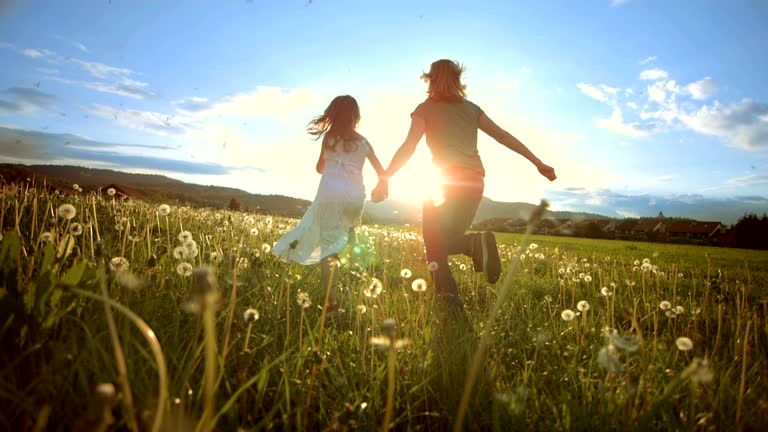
[[451, 122], [329, 222]]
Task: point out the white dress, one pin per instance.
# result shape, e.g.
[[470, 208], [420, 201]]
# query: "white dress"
[[338, 206]]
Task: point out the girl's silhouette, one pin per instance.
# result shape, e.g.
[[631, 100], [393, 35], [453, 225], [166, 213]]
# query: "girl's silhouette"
[[328, 225]]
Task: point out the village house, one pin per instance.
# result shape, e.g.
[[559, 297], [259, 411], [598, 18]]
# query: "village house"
[[694, 231]]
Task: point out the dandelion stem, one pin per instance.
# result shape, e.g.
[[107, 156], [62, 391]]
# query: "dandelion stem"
[[122, 369], [390, 388], [157, 352], [209, 331], [743, 384]]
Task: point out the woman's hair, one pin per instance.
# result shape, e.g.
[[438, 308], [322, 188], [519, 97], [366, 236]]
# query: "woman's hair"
[[444, 79], [338, 123]]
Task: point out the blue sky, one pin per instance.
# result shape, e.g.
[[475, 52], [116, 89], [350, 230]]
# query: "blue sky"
[[641, 106]]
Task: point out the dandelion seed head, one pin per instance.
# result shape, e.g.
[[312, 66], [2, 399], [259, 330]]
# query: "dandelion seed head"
[[419, 285], [251, 315], [265, 248], [582, 306], [184, 269], [636, 263], [254, 231], [75, 229], [684, 344], [46, 237], [646, 267], [180, 252], [111, 191], [699, 371], [567, 315], [185, 236], [608, 358], [302, 298], [75, 186], [679, 310], [432, 266], [605, 291], [163, 209], [361, 309], [587, 278], [67, 211], [665, 305], [119, 264], [646, 260]]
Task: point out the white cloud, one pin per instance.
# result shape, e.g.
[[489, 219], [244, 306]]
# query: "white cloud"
[[49, 71], [148, 121], [101, 70], [627, 213], [632, 105], [615, 124], [592, 91], [656, 94], [34, 53], [701, 89], [653, 74], [608, 89], [648, 60], [743, 124], [264, 102]]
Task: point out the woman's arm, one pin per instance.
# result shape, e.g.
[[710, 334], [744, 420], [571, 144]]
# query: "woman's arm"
[[505, 138], [404, 153]]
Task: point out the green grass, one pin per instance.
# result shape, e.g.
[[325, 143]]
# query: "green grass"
[[301, 372]]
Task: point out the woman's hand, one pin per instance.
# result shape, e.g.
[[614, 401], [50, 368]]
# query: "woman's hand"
[[547, 171]]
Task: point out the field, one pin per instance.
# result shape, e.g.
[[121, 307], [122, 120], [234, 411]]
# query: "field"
[[135, 316]]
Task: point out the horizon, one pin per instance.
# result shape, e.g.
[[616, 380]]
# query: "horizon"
[[651, 121]]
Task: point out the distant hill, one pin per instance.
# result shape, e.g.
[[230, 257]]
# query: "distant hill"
[[154, 188], [158, 188], [393, 211]]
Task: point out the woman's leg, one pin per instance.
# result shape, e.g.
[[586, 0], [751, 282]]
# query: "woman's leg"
[[444, 228]]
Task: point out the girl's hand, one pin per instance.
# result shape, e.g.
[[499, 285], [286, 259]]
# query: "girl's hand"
[[380, 192]]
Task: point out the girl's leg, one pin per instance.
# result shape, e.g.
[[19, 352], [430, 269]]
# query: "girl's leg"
[[329, 275]]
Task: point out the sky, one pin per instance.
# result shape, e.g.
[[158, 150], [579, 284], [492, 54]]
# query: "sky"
[[641, 106]]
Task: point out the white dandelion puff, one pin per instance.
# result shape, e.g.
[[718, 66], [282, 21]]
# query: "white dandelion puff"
[[679, 310], [405, 273], [75, 229], [361, 309], [432, 266], [303, 300], [111, 191], [184, 269], [265, 248], [46, 237], [185, 236], [118, 264], [250, 315], [608, 357], [419, 285], [665, 305], [582, 306], [587, 278], [567, 315], [67, 211], [180, 253], [164, 209], [684, 344], [605, 291]]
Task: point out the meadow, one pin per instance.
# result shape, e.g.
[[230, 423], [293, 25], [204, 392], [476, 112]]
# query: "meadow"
[[125, 315]]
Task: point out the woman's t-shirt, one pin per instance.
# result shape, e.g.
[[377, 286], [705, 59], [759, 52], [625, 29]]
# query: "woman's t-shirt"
[[451, 130]]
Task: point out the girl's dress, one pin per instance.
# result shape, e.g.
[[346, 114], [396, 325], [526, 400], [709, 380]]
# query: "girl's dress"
[[337, 207]]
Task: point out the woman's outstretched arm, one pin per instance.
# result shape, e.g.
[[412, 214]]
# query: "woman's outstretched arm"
[[404, 153], [505, 138]]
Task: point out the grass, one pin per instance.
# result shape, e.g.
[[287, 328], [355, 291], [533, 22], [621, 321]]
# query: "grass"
[[615, 365]]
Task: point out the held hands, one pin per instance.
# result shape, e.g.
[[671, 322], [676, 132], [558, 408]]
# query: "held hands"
[[381, 191], [547, 171]]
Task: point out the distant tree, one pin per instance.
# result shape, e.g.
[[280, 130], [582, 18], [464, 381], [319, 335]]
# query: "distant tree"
[[234, 204], [751, 232]]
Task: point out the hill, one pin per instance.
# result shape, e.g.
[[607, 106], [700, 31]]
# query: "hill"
[[158, 188]]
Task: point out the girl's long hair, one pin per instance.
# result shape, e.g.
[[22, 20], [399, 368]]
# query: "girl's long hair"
[[444, 79], [337, 124]]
